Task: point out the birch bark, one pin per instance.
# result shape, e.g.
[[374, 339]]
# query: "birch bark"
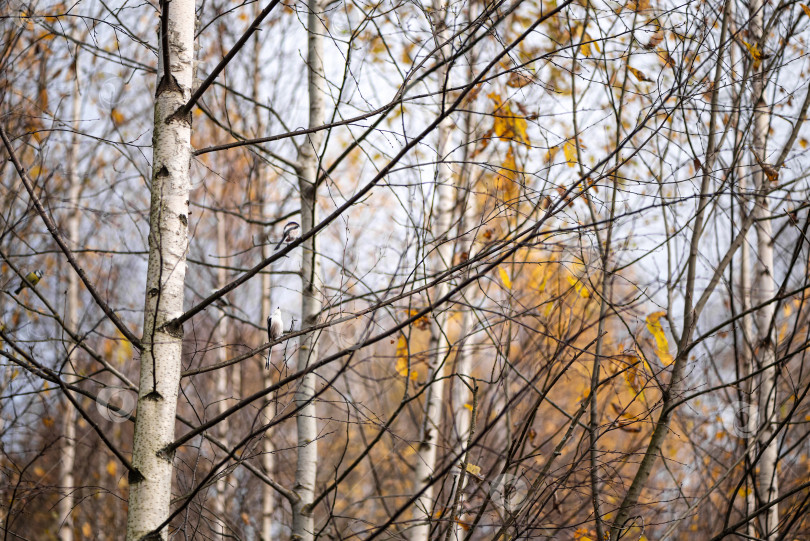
[[67, 464], [150, 488], [308, 156], [222, 393], [439, 346], [767, 485]]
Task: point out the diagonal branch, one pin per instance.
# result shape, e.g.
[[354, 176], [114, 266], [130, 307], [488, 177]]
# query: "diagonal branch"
[[183, 111], [60, 241]]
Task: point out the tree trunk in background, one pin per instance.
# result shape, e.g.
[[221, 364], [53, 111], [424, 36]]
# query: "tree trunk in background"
[[72, 321], [150, 491], [268, 447], [467, 229], [462, 397], [748, 357], [747, 326], [767, 487], [306, 421], [223, 394], [260, 170], [439, 347]]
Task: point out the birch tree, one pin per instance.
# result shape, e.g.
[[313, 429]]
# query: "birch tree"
[[550, 251], [151, 482], [308, 174]]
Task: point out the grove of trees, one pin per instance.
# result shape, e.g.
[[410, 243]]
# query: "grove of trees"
[[551, 279]]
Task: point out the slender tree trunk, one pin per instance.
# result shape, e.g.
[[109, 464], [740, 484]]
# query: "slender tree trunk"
[[260, 170], [439, 346], [748, 357], [767, 486], [67, 464], [468, 210], [222, 392], [150, 487], [306, 421], [747, 325], [692, 310], [268, 446]]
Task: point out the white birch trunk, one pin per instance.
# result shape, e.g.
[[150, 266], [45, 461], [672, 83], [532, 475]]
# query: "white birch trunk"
[[67, 464], [268, 446], [439, 347], [306, 421], [766, 344], [747, 326], [222, 394], [150, 487], [461, 395], [748, 361]]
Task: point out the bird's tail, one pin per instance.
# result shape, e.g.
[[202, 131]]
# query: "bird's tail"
[[18, 290], [267, 362], [279, 243]]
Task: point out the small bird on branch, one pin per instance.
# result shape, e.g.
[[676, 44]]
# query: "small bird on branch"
[[275, 328], [290, 233], [31, 279]]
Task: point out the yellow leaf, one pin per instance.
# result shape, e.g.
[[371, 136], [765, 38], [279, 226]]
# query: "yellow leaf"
[[505, 278], [506, 182], [661, 343], [117, 116], [755, 52], [570, 152], [805, 9], [112, 468], [473, 469], [39, 472], [638, 74], [578, 286], [469, 407], [803, 142], [87, 530], [402, 358], [585, 48], [508, 125]]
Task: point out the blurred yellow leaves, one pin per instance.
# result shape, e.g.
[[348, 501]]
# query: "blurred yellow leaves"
[[583, 534], [805, 9], [117, 116], [585, 40], [570, 152], [508, 126], [661, 343], [506, 182], [638, 74], [422, 323], [507, 282], [755, 52], [578, 286], [402, 358]]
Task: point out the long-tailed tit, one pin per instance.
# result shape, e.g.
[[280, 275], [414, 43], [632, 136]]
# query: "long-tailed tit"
[[275, 328], [290, 233]]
